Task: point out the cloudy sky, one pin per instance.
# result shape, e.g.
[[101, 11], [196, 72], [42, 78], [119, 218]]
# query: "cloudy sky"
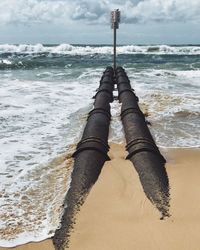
[[87, 21]]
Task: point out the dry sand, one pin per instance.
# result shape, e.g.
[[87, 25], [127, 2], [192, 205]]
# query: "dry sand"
[[117, 214]]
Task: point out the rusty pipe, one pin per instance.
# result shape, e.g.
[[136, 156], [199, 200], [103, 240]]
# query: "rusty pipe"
[[89, 158], [143, 152]]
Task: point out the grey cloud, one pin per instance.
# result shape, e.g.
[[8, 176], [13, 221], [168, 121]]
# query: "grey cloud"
[[91, 11]]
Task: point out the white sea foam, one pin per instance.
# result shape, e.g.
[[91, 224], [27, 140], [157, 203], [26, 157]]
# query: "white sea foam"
[[5, 61], [84, 50], [116, 134], [24, 238], [39, 122], [171, 98]]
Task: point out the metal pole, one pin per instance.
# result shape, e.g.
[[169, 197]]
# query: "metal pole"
[[114, 46], [115, 20]]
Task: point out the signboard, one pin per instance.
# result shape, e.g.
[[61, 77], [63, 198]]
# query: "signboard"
[[115, 19]]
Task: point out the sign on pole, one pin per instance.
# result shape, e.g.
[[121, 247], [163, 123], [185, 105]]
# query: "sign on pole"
[[115, 19]]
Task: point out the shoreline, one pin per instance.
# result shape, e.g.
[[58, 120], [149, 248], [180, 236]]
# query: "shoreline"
[[118, 205]]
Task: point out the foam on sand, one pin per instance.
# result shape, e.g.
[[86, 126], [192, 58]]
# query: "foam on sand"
[[117, 214]]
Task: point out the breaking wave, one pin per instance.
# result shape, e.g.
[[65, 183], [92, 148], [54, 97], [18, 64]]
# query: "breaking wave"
[[84, 50]]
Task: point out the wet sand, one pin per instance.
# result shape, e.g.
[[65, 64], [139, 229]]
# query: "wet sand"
[[117, 214], [43, 245]]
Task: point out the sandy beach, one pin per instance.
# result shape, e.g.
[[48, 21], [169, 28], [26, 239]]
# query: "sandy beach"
[[117, 214]]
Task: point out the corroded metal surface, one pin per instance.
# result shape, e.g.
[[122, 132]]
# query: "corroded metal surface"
[[89, 158], [143, 152]]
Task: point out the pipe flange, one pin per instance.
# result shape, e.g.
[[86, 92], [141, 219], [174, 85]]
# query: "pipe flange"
[[140, 140], [104, 90], [93, 139], [99, 110], [132, 110], [146, 149], [141, 145], [92, 143]]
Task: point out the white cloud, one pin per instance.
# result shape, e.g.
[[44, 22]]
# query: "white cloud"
[[91, 11], [34, 11], [165, 11]]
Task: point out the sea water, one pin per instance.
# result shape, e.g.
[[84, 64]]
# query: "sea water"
[[45, 94]]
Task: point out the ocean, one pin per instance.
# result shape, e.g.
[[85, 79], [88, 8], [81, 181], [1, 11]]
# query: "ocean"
[[45, 94]]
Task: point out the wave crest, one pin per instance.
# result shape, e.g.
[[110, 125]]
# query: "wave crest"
[[83, 50]]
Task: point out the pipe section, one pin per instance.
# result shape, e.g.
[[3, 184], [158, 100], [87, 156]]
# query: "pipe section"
[[89, 157], [143, 152]]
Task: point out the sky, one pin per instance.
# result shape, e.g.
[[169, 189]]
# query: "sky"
[[88, 21]]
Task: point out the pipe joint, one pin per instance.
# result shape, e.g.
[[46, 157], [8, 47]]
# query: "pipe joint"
[[141, 145], [131, 111], [92, 143], [122, 79], [125, 90], [100, 110], [106, 91]]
